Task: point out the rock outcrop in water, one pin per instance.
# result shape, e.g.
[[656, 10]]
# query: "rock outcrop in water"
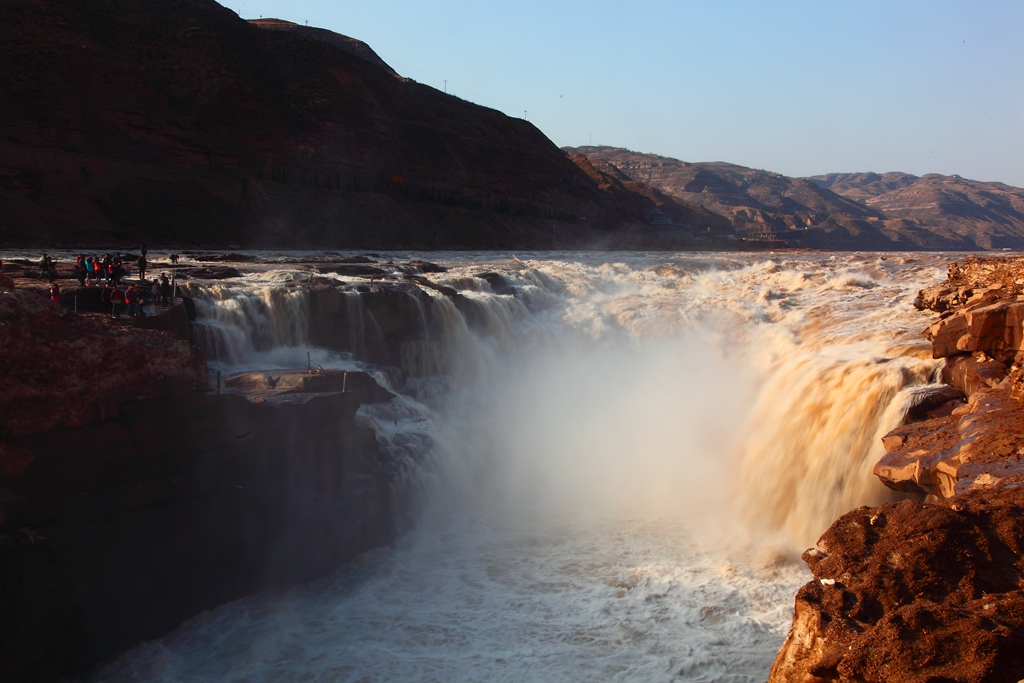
[[934, 590], [133, 495]]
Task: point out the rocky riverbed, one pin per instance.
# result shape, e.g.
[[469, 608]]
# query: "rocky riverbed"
[[933, 590]]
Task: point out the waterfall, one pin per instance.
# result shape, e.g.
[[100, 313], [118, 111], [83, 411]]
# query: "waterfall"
[[236, 322], [614, 461], [814, 436], [772, 382]]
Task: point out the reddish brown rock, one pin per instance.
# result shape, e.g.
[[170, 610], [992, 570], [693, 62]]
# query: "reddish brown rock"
[[60, 369], [976, 446], [981, 326], [974, 372], [914, 592], [980, 333]]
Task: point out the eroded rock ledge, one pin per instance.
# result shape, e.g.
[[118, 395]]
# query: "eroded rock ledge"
[[134, 496], [934, 591]]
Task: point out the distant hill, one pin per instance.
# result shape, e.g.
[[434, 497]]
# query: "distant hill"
[[847, 211], [750, 199], [991, 215], [177, 122], [620, 190], [863, 186]]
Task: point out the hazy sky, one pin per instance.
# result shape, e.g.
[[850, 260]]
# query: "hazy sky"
[[801, 88]]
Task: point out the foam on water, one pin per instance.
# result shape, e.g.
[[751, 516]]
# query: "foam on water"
[[615, 473], [490, 601]]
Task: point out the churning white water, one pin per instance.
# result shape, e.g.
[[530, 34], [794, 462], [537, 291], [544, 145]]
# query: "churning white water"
[[617, 468]]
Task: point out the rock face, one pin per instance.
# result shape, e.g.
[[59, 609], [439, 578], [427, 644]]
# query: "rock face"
[[127, 508], [177, 122], [978, 444], [914, 592], [932, 591]]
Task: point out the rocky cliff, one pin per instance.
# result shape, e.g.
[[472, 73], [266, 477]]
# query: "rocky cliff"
[[178, 122], [134, 495], [934, 590]]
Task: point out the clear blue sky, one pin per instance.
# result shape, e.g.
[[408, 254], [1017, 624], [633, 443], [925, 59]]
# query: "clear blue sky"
[[801, 88]]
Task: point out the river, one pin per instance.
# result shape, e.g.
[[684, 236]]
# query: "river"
[[614, 471]]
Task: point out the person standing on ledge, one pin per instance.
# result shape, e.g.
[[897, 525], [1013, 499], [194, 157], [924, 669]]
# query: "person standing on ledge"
[[115, 301], [154, 289], [130, 299], [47, 269], [142, 266], [107, 298], [165, 290]]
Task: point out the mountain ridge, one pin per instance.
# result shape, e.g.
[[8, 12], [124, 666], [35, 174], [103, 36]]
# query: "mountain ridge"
[[179, 122], [842, 210], [990, 213]]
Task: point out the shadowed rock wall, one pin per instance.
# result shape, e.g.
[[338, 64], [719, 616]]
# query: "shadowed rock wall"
[[119, 530]]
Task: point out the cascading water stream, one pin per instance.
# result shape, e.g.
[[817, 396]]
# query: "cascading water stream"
[[237, 323], [617, 469]]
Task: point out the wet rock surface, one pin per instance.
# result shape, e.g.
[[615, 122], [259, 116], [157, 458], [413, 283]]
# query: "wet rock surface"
[[281, 382], [977, 443], [934, 591]]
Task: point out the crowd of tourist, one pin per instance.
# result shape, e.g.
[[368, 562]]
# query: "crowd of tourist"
[[111, 273]]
